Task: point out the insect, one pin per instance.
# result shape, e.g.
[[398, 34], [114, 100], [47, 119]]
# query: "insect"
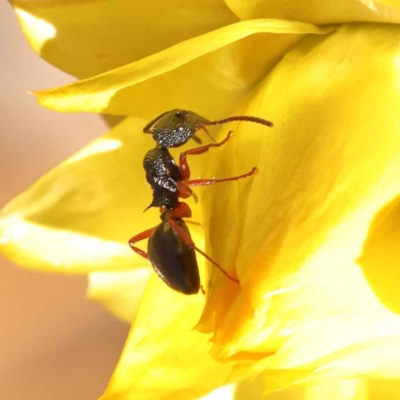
[[170, 248]]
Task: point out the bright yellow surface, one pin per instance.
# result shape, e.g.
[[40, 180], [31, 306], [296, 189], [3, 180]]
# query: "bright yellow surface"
[[165, 357], [313, 236], [194, 73], [320, 12], [93, 36], [79, 217], [119, 292]]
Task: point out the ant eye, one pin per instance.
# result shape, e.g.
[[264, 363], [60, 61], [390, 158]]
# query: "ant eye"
[[179, 127]]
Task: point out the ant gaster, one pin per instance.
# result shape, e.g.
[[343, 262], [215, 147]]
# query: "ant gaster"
[[170, 248]]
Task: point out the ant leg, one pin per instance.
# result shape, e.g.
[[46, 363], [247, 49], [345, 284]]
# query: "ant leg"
[[212, 181], [137, 238], [216, 264], [184, 186], [188, 240], [184, 166]]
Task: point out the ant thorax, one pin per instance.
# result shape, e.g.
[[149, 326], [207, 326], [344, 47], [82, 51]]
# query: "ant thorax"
[[162, 174]]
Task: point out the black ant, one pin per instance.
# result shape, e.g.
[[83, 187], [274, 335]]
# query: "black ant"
[[170, 248]]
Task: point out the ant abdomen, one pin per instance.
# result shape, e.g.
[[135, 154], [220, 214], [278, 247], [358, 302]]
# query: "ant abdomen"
[[173, 260]]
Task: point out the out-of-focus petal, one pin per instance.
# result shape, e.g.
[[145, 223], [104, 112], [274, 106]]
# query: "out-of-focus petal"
[[119, 292], [209, 74], [319, 12], [383, 388], [350, 389], [393, 3], [87, 37], [79, 217], [327, 171], [165, 357], [225, 392], [250, 389]]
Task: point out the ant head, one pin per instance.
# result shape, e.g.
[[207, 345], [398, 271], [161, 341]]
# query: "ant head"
[[176, 127]]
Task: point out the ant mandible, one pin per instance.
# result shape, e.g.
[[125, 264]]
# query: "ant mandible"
[[170, 248]]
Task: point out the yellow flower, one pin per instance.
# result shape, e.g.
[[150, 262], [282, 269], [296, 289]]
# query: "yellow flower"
[[313, 237]]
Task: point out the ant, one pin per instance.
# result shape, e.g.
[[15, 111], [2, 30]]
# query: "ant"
[[170, 248]]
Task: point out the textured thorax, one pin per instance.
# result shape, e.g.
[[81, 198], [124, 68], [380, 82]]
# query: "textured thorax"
[[162, 174]]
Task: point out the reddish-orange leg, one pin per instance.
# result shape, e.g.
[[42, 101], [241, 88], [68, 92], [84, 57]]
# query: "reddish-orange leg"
[[212, 181], [191, 244], [137, 238], [184, 185], [184, 166]]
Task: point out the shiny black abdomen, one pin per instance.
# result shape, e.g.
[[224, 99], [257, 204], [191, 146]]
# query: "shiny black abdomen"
[[173, 260]]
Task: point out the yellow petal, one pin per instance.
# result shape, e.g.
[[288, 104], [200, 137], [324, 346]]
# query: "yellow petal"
[[351, 389], [318, 12], [225, 392], [327, 172], [250, 389], [196, 73], [119, 292], [393, 3], [383, 389], [164, 357], [87, 37], [79, 216]]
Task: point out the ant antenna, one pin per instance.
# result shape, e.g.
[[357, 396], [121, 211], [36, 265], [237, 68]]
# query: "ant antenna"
[[241, 118]]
